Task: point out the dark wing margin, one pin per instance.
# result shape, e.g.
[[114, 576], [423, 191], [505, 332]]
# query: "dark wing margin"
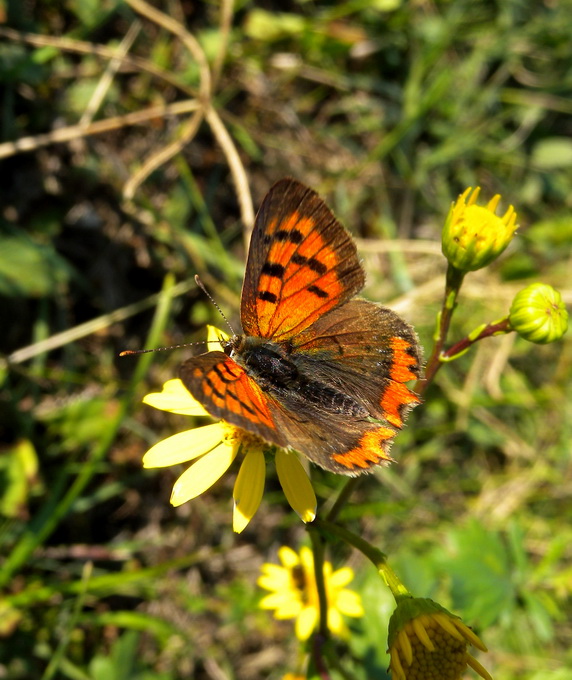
[[302, 263]]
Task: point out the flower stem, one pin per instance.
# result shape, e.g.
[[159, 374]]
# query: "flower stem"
[[484, 331], [454, 280], [318, 549], [347, 489], [373, 554]]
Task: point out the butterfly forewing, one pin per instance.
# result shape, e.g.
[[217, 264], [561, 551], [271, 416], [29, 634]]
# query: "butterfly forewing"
[[302, 263], [226, 391]]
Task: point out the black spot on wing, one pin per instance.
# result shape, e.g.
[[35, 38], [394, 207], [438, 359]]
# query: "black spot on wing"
[[292, 235], [267, 296], [311, 262], [318, 292], [273, 269]]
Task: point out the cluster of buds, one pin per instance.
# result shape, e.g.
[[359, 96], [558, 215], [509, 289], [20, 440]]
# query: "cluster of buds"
[[474, 236]]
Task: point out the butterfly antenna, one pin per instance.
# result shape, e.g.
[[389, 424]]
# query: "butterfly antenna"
[[130, 352], [201, 285]]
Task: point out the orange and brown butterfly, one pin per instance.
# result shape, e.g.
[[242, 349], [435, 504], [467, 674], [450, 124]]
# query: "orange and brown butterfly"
[[316, 370]]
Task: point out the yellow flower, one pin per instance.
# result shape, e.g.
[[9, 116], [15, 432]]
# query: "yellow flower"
[[473, 236], [538, 314], [426, 641], [216, 446], [294, 594]]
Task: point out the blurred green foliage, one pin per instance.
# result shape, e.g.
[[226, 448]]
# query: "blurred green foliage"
[[390, 109]]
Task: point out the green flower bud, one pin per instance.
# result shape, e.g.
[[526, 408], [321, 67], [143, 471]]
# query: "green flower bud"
[[538, 314], [473, 236]]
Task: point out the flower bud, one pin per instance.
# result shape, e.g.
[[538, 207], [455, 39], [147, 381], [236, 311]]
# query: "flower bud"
[[538, 314], [473, 236], [427, 641]]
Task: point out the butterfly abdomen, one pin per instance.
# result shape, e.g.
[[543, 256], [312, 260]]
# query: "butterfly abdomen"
[[271, 366]]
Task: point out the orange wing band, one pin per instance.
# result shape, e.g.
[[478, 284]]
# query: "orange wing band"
[[236, 393], [301, 276], [369, 450]]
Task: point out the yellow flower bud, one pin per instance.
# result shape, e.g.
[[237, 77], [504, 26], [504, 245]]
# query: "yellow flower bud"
[[427, 641], [538, 314], [473, 235]]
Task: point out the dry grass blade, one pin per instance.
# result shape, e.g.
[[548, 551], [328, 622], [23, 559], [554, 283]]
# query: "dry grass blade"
[[162, 156], [67, 134], [82, 47], [93, 325], [237, 169], [109, 74], [187, 38]]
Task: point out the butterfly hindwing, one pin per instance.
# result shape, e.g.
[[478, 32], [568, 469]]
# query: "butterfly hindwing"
[[302, 263], [365, 350], [334, 441], [227, 391]]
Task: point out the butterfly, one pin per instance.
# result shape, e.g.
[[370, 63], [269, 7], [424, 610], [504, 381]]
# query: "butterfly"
[[316, 369]]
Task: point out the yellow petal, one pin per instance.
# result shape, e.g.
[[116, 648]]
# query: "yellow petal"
[[278, 579], [288, 557], [214, 336], [341, 577], [296, 485], [349, 603], [203, 474], [405, 646], [175, 398], [336, 623], [395, 666], [307, 560], [286, 606], [289, 610], [248, 489], [422, 634], [306, 622], [183, 446]]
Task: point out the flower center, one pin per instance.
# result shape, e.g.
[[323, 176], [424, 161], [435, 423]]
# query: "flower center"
[[239, 437]]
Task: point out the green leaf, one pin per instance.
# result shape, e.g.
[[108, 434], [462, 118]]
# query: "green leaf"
[[482, 585], [553, 152], [18, 470], [30, 269], [271, 26]]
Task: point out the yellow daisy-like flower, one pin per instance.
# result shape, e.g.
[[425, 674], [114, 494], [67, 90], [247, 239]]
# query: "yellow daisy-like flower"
[[214, 447], [426, 641], [473, 236], [294, 594]]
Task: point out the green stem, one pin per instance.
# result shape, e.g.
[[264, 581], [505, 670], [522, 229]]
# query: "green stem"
[[454, 280], [344, 496], [318, 549], [484, 331], [374, 555]]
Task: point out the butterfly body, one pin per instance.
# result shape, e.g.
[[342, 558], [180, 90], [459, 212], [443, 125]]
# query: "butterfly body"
[[316, 369], [289, 376]]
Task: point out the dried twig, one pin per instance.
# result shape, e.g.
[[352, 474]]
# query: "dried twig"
[[83, 47], [187, 38], [226, 14], [74, 131], [108, 75], [162, 156]]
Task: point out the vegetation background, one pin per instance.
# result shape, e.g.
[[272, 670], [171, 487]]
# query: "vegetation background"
[[389, 109]]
